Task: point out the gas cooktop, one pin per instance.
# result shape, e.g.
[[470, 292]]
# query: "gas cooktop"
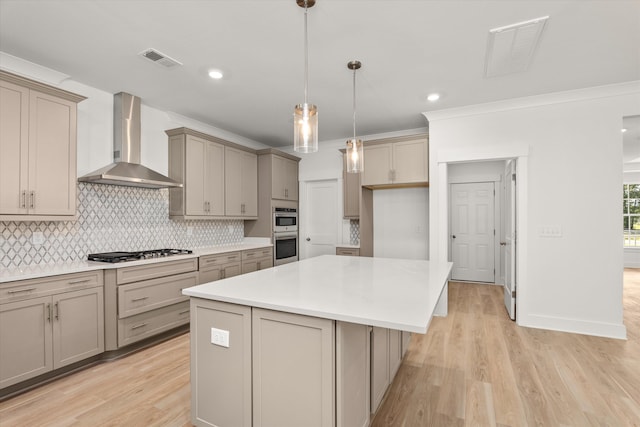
[[138, 255]]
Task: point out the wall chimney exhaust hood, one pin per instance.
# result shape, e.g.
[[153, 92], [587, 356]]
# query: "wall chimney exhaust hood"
[[126, 169]]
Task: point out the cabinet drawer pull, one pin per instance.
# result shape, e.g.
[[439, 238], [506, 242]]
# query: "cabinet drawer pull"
[[18, 291], [251, 253], [232, 257], [210, 261], [139, 299], [141, 325], [77, 282], [183, 312]]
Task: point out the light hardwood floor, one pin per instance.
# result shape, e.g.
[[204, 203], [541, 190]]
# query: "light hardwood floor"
[[474, 367]]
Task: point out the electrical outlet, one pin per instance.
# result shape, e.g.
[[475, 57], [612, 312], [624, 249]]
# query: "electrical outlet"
[[550, 231], [37, 238], [220, 337]]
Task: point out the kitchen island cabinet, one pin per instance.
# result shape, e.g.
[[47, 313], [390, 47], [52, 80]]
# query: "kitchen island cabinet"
[[314, 307]]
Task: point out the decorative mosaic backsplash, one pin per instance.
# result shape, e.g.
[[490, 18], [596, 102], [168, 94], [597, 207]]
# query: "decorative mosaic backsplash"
[[112, 218], [354, 235]]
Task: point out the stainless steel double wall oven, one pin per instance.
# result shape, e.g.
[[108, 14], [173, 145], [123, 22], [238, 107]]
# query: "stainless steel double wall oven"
[[285, 235]]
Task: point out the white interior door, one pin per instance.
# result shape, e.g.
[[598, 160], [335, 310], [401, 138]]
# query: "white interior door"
[[510, 239], [473, 232], [321, 218]]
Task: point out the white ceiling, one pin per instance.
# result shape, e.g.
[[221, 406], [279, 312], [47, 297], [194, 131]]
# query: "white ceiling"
[[408, 50]]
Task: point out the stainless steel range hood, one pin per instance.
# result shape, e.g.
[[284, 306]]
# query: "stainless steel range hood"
[[126, 169]]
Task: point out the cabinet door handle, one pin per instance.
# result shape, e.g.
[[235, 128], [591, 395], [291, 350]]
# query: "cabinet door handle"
[[49, 312], [139, 299], [231, 257], [18, 291], [57, 308], [32, 199], [77, 282], [23, 204], [141, 325]]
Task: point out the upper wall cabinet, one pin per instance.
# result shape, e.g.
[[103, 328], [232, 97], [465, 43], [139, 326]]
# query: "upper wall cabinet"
[[396, 162], [241, 183], [219, 178], [280, 172], [37, 151]]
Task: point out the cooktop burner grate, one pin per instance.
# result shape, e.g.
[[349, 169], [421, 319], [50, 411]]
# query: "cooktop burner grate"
[[137, 255]]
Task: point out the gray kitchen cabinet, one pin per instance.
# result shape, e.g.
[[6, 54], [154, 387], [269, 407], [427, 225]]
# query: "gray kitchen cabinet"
[[347, 251], [406, 340], [379, 366], [220, 376], [278, 175], [353, 374], [49, 323], [350, 192], [293, 369], [219, 266], [257, 259], [241, 183], [142, 301], [401, 161], [198, 163], [37, 150]]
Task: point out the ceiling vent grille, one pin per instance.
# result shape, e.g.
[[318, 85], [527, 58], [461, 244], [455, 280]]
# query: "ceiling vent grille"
[[159, 58], [510, 48]]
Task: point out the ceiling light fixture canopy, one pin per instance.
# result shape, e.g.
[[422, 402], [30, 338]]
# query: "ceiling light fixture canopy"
[[355, 147], [305, 116]]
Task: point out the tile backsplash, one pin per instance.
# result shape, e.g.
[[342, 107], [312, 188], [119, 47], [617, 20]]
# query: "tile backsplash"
[[111, 218], [354, 235]]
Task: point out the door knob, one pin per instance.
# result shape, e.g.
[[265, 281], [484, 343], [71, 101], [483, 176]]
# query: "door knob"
[[453, 236], [503, 243], [308, 239]]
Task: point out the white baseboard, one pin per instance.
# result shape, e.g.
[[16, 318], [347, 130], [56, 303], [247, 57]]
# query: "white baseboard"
[[599, 329]]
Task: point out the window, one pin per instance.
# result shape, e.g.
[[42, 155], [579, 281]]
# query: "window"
[[631, 214]]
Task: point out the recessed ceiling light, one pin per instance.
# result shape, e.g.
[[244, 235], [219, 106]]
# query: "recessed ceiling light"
[[624, 130], [215, 74], [433, 97]]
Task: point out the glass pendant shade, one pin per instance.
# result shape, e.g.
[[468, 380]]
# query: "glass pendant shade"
[[305, 128], [355, 155]]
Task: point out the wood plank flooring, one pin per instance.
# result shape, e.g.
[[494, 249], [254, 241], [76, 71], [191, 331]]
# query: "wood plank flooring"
[[473, 368]]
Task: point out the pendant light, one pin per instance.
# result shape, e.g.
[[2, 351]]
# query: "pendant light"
[[355, 151], [305, 116]]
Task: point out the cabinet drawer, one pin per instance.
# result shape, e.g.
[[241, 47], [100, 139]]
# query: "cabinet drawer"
[[158, 269], [209, 262], [219, 272], [143, 296], [25, 289], [144, 325], [257, 253], [348, 251]]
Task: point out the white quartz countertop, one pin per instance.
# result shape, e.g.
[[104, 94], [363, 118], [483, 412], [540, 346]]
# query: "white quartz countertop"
[[13, 274], [389, 293]]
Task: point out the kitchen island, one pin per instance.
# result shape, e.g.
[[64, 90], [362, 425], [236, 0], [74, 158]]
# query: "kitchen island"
[[291, 345]]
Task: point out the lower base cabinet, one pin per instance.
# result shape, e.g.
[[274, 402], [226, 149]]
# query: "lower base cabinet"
[[41, 333]]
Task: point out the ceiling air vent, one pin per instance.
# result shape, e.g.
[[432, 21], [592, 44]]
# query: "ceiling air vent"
[[511, 48], [159, 58]]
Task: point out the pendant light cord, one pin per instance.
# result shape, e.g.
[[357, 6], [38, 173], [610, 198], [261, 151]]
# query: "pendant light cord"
[[354, 105], [306, 54]]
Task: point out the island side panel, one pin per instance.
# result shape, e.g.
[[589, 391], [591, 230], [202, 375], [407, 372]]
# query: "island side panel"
[[353, 349], [220, 376], [293, 370]]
